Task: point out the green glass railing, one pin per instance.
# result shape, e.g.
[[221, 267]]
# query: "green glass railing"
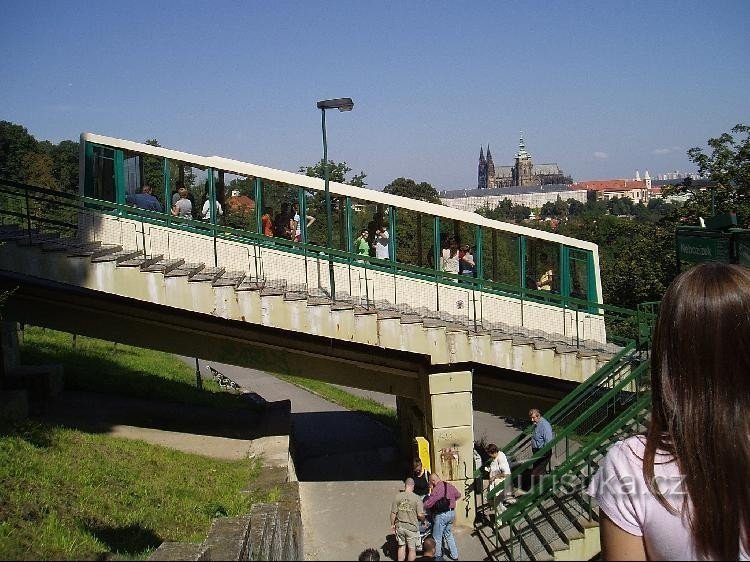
[[31, 205]]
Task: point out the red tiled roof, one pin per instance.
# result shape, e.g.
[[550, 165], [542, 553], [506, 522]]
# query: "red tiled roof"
[[611, 185]]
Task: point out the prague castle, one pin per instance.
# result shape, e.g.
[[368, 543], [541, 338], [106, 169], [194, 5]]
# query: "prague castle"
[[523, 173]]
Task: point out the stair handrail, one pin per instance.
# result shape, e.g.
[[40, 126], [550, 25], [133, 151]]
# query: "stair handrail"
[[635, 376], [557, 413]]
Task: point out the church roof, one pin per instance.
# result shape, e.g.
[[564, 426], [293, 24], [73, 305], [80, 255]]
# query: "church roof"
[[515, 190]]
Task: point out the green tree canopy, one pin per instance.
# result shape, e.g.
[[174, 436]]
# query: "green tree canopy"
[[728, 166], [407, 187], [336, 172]]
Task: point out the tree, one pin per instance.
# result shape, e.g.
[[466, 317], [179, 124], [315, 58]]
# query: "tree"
[[336, 172], [15, 143], [728, 166], [65, 157], [407, 187]]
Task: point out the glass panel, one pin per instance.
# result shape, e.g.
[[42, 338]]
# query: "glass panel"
[[457, 247], [579, 273], [132, 173], [194, 179], [153, 174], [542, 265], [236, 193], [141, 170], [317, 233], [500, 255], [102, 168], [415, 238]]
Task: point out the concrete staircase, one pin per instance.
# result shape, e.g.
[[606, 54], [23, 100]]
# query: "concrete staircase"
[[271, 301], [563, 526]]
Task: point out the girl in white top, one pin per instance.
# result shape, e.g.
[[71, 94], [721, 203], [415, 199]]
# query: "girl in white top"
[[682, 491], [449, 257], [206, 212]]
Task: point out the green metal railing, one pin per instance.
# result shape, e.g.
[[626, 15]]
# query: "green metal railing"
[[39, 209]]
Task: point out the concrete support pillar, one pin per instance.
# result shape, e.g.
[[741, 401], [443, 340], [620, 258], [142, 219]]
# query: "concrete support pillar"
[[10, 352], [411, 423], [450, 430]]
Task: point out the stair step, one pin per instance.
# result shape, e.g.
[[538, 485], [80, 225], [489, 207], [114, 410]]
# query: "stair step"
[[163, 266], [210, 274], [67, 244], [37, 239], [140, 261], [229, 279], [17, 234], [106, 254], [185, 270]]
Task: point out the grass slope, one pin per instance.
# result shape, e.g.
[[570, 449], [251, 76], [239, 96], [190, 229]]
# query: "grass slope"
[[66, 494]]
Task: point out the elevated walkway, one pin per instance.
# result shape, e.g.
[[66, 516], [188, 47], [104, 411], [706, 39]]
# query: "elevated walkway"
[[266, 303]]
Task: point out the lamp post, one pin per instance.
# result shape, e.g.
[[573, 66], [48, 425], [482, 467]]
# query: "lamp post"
[[342, 104]]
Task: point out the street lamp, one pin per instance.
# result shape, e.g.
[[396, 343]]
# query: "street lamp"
[[342, 104]]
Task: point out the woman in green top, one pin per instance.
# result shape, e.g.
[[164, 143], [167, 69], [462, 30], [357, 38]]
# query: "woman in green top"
[[361, 245]]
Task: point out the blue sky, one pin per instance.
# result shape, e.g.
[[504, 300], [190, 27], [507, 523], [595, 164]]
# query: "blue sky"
[[602, 88]]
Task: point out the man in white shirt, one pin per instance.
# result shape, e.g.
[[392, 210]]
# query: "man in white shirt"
[[381, 243]]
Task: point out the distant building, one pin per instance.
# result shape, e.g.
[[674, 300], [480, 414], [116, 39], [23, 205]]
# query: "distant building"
[[530, 196], [639, 190], [523, 173]]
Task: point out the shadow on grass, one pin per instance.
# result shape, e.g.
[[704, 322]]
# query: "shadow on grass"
[[132, 540], [35, 434], [91, 372]]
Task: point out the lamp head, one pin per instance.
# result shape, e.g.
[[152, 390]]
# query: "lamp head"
[[342, 104]]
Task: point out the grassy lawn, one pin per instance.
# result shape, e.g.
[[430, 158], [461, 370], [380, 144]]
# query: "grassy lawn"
[[384, 414], [67, 494], [101, 366]]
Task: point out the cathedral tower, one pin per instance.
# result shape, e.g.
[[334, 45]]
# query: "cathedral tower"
[[490, 170], [482, 174], [523, 172]]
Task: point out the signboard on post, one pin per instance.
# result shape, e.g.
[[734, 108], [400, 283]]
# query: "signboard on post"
[[696, 249]]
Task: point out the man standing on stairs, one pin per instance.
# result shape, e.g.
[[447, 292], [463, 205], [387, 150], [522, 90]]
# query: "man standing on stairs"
[[542, 435]]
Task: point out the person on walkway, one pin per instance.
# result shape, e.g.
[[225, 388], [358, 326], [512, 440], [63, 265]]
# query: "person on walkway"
[[309, 219], [206, 210], [421, 478], [542, 435], [381, 242], [183, 207], [144, 200], [467, 266], [680, 491], [267, 221], [442, 521], [407, 511], [449, 261], [361, 245]]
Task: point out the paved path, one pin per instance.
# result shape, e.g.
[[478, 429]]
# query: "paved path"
[[348, 468]]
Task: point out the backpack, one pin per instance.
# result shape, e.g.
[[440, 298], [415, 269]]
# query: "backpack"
[[443, 504]]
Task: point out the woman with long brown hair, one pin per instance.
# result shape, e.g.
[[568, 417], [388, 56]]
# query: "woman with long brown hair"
[[682, 491]]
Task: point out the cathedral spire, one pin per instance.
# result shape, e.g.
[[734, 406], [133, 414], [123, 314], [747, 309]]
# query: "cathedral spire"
[[481, 153], [489, 154]]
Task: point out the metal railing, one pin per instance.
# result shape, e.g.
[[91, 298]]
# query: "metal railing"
[[360, 280], [611, 404]]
